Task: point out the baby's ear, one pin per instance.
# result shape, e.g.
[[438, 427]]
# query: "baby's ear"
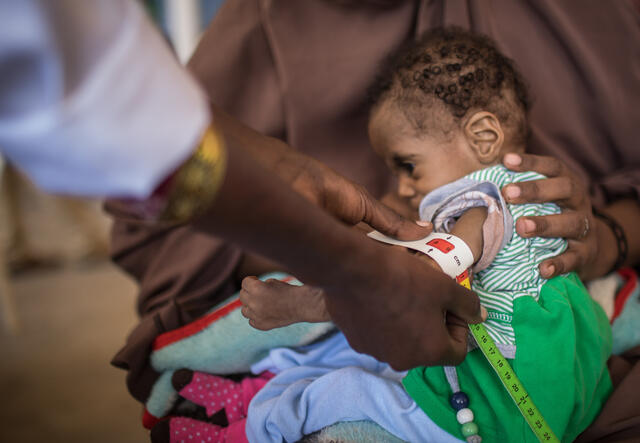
[[485, 136]]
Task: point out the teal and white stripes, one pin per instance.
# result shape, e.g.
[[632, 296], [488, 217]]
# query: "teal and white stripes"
[[514, 271]]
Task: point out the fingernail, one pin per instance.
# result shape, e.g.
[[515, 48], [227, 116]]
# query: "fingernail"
[[483, 313], [512, 192], [529, 226], [423, 223], [512, 159]]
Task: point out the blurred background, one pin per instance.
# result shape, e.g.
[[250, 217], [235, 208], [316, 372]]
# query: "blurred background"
[[64, 308]]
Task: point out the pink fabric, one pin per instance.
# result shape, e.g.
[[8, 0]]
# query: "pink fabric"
[[250, 386], [215, 393], [189, 430], [236, 432]]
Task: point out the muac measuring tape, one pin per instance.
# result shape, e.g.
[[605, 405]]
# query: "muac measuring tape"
[[440, 248]]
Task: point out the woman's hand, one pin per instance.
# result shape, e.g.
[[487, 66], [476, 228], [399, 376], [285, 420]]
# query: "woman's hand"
[[576, 223]]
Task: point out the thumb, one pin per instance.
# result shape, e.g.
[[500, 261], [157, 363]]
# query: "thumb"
[[384, 219], [465, 305], [458, 332]]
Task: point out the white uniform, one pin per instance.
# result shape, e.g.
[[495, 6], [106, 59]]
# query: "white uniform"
[[92, 100]]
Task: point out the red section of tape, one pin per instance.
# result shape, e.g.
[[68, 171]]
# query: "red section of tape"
[[461, 277], [442, 245]]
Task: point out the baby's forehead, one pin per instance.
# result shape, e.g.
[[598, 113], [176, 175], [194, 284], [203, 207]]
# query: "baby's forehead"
[[388, 125], [395, 118]]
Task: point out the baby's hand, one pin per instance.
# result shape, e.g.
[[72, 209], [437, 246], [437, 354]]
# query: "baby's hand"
[[274, 304]]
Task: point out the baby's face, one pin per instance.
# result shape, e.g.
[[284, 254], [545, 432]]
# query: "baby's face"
[[423, 163]]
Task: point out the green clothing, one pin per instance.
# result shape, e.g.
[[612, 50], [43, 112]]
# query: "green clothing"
[[560, 336], [563, 342]]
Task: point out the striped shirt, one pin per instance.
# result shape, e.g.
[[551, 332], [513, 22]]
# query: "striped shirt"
[[514, 271]]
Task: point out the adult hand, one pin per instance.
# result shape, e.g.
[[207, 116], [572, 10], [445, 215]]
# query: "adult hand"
[[344, 199], [351, 202], [408, 315], [576, 223]]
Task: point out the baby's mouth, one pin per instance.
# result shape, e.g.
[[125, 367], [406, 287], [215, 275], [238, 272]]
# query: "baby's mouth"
[[415, 202]]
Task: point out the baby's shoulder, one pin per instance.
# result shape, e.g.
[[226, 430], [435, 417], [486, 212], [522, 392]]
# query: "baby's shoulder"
[[502, 176]]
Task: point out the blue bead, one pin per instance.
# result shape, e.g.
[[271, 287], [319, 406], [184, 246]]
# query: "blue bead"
[[459, 400]]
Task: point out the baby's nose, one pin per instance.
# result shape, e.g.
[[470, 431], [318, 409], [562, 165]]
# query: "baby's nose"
[[405, 189]]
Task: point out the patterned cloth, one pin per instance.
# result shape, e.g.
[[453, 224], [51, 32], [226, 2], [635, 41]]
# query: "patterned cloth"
[[513, 271]]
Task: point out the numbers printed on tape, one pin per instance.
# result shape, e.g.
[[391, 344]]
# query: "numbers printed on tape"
[[513, 385]]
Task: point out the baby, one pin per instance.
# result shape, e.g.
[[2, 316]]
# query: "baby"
[[446, 109]]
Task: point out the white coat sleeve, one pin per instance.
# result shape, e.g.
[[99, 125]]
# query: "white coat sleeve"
[[92, 100]]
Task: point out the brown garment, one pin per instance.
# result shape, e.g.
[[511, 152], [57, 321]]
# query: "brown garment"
[[619, 419], [299, 70]]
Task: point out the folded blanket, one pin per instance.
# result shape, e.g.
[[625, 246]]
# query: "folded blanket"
[[221, 342]]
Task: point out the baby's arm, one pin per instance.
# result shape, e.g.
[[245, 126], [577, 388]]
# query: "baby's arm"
[[274, 304], [469, 228]]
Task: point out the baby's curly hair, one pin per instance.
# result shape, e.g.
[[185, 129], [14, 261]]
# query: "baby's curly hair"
[[461, 70]]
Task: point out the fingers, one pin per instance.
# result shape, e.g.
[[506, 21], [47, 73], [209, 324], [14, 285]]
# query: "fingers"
[[448, 344], [465, 305], [561, 185], [387, 221], [572, 258], [548, 166], [576, 223], [458, 331], [563, 190], [257, 322], [250, 283], [252, 304], [274, 304], [566, 225], [249, 288], [464, 308]]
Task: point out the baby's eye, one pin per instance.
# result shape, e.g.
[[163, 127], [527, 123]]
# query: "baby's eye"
[[404, 165], [407, 167]]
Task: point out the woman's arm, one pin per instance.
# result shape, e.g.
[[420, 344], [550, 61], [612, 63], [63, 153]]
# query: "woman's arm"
[[626, 214]]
